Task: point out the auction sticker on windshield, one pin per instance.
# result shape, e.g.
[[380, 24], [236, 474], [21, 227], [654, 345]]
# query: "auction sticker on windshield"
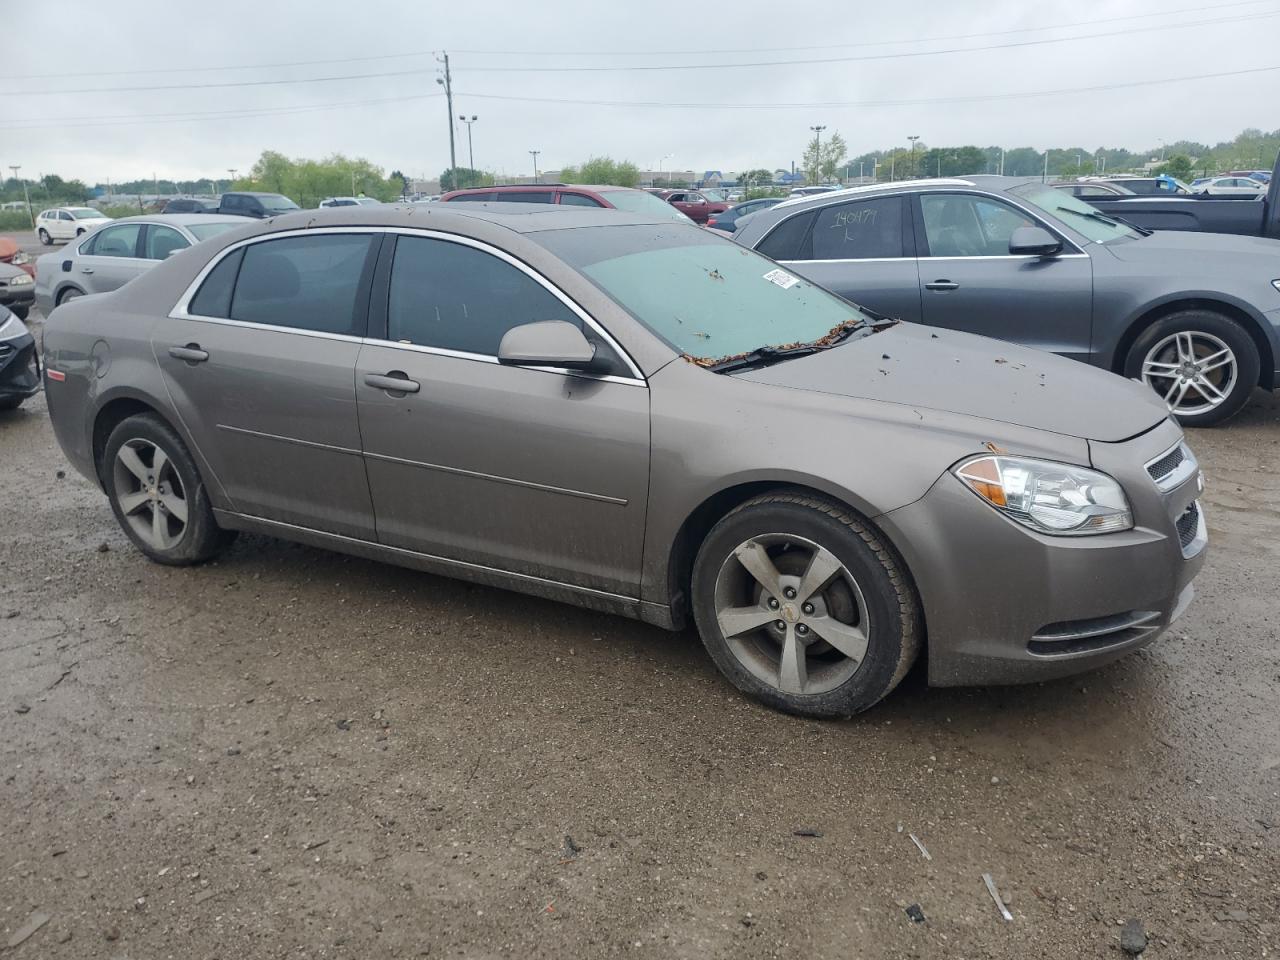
[[783, 279]]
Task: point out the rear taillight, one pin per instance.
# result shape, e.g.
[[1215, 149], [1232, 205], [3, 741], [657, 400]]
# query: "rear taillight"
[[711, 221]]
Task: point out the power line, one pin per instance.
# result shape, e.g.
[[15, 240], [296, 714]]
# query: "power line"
[[643, 53], [626, 68], [976, 98], [215, 86]]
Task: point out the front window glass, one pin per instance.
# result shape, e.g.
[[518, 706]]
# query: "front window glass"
[[85, 213], [163, 242], [706, 297], [308, 283], [456, 297], [1078, 215], [963, 225], [637, 201]]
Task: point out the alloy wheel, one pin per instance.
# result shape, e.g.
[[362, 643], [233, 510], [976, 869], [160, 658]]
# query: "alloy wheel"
[[1192, 370], [150, 494], [792, 613]]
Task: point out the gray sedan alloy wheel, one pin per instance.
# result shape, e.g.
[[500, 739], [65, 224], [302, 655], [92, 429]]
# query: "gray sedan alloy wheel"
[[1193, 370], [792, 614], [150, 494]]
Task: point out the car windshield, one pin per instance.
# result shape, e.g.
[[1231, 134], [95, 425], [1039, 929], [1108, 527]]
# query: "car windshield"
[[84, 213], [1076, 214], [203, 231], [707, 297], [637, 201], [274, 201]]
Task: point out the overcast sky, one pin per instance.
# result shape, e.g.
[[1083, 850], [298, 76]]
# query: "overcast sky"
[[73, 123]]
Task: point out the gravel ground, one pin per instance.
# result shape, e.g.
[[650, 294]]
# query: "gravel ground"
[[291, 753]]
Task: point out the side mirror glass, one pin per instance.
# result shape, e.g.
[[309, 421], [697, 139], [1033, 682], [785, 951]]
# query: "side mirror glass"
[[547, 343], [1034, 242]]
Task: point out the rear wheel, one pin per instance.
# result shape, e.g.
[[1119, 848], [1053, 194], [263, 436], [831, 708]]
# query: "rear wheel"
[[803, 607], [157, 495], [68, 294], [1203, 364], [44, 236]]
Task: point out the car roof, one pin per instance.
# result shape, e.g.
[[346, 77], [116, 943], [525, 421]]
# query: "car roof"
[[873, 189], [458, 215]]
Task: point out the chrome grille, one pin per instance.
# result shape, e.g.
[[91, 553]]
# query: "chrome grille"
[[1188, 524], [1161, 468]]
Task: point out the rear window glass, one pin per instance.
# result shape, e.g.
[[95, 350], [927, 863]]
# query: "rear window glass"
[[307, 283], [789, 240], [861, 230], [213, 299]]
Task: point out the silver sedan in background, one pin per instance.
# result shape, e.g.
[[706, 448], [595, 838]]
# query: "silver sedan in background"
[[116, 253]]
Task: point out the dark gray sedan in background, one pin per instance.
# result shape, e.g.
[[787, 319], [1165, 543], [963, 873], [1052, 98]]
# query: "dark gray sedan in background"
[[638, 416], [1195, 316]]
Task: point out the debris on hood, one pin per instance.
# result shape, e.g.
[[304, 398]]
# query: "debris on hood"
[[832, 336]]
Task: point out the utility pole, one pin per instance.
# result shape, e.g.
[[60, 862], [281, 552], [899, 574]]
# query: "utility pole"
[[471, 153], [447, 82], [817, 153], [861, 165], [1045, 176], [915, 172], [534, 154], [25, 193], [1002, 161]]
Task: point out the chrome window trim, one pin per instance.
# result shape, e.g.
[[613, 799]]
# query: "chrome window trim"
[[181, 310], [1010, 256]]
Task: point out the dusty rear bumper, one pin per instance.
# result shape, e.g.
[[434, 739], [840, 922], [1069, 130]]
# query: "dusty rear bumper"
[[1004, 604]]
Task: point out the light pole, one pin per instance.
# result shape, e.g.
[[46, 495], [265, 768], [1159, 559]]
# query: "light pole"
[[1002, 161], [534, 154], [661, 161], [471, 153], [913, 139], [817, 152], [231, 183], [25, 193], [861, 166]]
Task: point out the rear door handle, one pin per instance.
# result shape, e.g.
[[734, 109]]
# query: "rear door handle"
[[942, 285], [86, 269], [191, 353], [394, 382]]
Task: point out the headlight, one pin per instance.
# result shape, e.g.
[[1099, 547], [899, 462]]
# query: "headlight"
[[1055, 498], [20, 280], [21, 257], [1276, 284]]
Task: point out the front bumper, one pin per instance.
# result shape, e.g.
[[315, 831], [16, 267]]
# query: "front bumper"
[[1004, 604], [17, 296], [19, 368]]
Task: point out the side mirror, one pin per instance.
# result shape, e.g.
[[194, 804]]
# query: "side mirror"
[[547, 343], [1034, 242]]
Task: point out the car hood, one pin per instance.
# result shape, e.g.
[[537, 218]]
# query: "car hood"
[[944, 370], [1177, 245]]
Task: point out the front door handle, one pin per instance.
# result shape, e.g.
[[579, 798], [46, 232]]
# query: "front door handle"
[[191, 353], [394, 382], [942, 285], [86, 269]]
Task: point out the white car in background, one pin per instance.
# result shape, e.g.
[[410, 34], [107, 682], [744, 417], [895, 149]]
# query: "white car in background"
[[350, 202], [67, 223], [1231, 187]]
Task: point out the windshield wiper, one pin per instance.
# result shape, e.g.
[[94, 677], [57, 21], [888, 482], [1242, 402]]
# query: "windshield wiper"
[[1105, 218], [768, 355]]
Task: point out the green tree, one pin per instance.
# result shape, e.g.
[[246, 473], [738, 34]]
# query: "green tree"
[[822, 158], [459, 178], [603, 170], [754, 178], [1179, 166]]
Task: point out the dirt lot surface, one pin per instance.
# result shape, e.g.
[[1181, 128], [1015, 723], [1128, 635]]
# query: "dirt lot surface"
[[290, 753]]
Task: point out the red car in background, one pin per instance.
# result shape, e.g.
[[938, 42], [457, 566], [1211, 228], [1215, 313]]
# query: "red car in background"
[[13, 254], [692, 203], [578, 195]]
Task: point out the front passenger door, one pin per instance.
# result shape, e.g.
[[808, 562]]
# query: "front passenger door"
[[970, 281], [532, 471]]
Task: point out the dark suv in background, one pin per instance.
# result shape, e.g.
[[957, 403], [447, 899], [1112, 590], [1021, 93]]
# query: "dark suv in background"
[[190, 205], [618, 198], [257, 205]]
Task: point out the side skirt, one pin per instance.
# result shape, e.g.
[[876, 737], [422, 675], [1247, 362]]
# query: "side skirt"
[[653, 613]]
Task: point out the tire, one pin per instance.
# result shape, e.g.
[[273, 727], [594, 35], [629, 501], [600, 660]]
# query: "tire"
[[154, 522], [20, 310], [45, 239], [68, 294], [1193, 356], [866, 604]]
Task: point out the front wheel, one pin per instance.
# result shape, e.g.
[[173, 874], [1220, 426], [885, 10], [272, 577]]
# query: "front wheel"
[[803, 607], [1203, 364], [157, 495], [45, 239]]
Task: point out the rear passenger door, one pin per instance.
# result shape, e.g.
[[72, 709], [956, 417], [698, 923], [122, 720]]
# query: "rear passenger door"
[[861, 250], [532, 471], [260, 363], [110, 258]]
